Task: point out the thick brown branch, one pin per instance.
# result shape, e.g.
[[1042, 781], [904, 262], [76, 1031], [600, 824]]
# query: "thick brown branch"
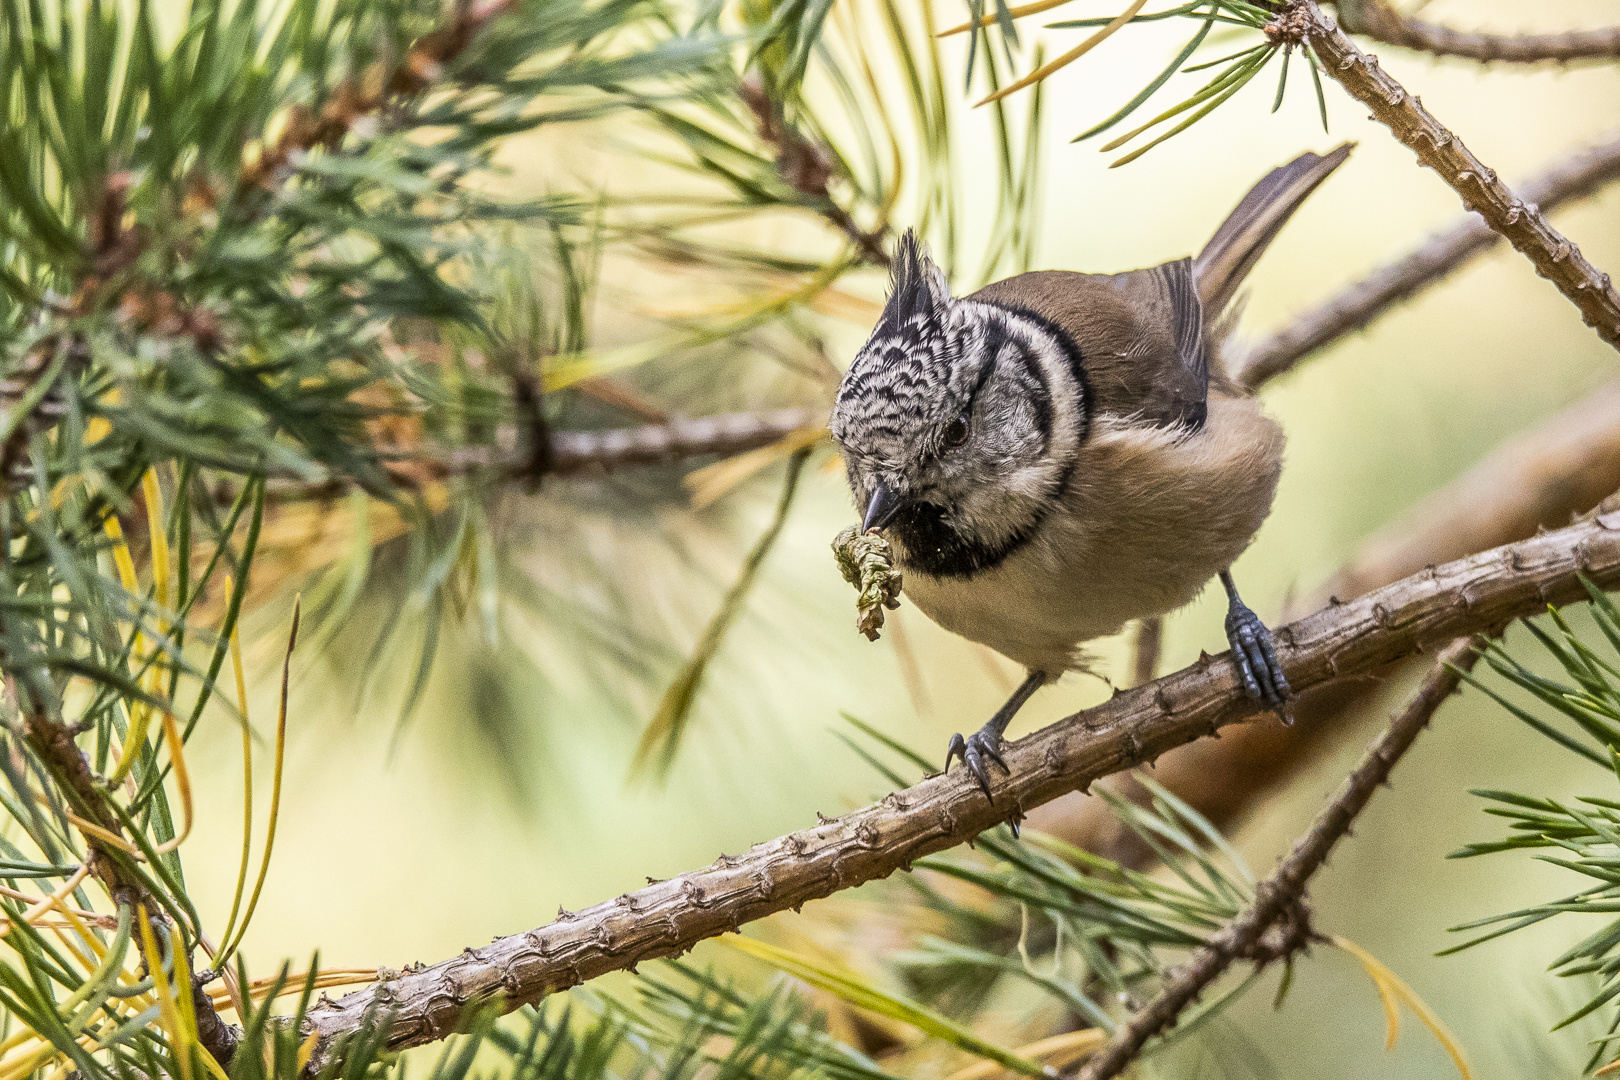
[[1285, 885], [1479, 594], [1574, 177], [1539, 479], [1377, 19], [1522, 223]]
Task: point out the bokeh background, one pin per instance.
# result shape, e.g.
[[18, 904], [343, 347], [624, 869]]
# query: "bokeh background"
[[505, 794]]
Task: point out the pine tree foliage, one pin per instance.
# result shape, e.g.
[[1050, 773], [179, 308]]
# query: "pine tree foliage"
[[261, 265], [1582, 835]]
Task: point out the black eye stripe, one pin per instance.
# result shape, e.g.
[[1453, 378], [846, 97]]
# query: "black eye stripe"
[[998, 340]]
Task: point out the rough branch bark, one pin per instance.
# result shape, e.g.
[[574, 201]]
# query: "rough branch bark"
[[1479, 594], [1538, 479], [1574, 177], [1378, 20], [1524, 225], [581, 453], [1285, 885], [576, 452]]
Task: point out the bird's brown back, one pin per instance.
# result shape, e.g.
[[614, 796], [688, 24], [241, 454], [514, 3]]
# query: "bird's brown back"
[[1139, 335]]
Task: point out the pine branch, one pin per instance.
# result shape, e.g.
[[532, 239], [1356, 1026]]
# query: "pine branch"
[[53, 742], [1523, 224], [1285, 886], [721, 435], [1481, 594], [1539, 479], [1380, 21], [1573, 177]]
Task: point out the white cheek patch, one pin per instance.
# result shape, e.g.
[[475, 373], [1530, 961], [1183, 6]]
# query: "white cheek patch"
[[1032, 481]]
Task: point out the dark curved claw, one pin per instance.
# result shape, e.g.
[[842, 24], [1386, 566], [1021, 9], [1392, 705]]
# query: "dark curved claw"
[[1255, 655], [975, 750]]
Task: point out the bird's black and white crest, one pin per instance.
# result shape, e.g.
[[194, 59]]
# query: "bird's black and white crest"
[[909, 367], [966, 413]]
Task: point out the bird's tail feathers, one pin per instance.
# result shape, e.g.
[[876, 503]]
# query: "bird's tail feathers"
[[1248, 230]]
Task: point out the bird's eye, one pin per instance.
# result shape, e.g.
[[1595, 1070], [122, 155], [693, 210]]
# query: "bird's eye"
[[957, 433]]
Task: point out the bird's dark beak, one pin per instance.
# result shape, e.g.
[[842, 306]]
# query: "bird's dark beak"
[[881, 510]]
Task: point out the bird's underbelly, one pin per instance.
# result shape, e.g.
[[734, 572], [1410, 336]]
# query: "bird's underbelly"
[[1037, 607], [1147, 520]]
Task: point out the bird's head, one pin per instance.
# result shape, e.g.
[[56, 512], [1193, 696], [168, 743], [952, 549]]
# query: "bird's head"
[[947, 422]]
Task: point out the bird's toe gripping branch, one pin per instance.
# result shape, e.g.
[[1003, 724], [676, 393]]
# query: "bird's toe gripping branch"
[[976, 752], [1254, 653]]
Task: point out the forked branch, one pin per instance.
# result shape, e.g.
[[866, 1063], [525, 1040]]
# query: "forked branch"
[[1285, 886], [1475, 595], [1522, 223]]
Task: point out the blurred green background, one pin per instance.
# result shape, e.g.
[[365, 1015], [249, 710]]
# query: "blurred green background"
[[506, 795]]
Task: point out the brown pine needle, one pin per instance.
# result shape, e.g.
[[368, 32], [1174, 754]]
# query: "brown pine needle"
[[182, 779], [1057, 1052], [1392, 990], [1071, 56], [33, 914], [1018, 13]]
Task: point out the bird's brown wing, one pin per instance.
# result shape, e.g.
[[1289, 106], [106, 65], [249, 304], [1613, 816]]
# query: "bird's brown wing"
[[1140, 336]]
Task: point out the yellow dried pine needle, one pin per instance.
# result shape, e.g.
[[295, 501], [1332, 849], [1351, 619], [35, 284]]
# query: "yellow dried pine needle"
[[864, 995], [182, 779], [306, 1049], [993, 18], [1057, 1052], [33, 914], [1392, 991], [1071, 56], [168, 1006], [712, 481], [867, 563]]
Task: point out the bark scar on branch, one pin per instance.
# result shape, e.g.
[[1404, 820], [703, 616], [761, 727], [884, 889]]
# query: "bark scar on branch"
[[1472, 595]]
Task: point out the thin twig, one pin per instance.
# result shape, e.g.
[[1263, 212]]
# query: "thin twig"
[[1380, 21], [1538, 479], [1480, 594], [1286, 884], [1573, 177], [1522, 223]]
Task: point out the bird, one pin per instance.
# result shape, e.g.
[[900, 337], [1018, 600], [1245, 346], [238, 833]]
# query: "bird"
[[1060, 453]]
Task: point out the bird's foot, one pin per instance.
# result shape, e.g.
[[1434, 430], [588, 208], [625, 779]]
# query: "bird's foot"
[[1255, 655], [976, 751]]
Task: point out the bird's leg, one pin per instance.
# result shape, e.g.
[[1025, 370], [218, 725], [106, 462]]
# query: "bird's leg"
[[984, 745], [1253, 653]]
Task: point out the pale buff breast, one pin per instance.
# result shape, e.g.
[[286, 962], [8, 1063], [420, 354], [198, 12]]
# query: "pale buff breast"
[[1149, 517]]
